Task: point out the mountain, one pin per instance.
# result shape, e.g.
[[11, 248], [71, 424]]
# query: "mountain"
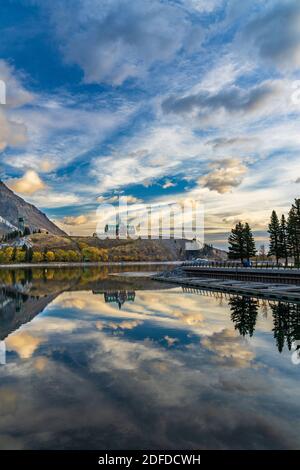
[[12, 207]]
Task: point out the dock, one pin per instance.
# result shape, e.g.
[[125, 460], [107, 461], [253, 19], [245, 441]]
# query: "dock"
[[262, 290], [280, 275]]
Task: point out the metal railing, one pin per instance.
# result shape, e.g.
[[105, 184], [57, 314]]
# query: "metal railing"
[[238, 265]]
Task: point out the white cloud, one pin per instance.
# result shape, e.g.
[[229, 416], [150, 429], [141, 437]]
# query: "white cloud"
[[124, 39], [13, 131], [214, 108], [154, 153], [273, 33], [75, 220], [52, 199], [168, 184], [29, 183], [225, 175]]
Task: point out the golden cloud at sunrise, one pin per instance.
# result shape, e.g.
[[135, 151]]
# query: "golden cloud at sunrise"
[[30, 183]]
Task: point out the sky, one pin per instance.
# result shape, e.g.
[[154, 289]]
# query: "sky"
[[155, 100]]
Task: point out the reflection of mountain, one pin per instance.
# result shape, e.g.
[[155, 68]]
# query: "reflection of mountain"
[[24, 293], [119, 297], [17, 308], [244, 313]]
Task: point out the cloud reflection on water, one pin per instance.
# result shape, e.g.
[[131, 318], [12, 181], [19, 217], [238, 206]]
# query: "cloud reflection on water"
[[84, 374]]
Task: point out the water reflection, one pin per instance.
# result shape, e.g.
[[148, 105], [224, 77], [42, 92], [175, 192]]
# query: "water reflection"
[[96, 361], [119, 297], [286, 324], [244, 314]]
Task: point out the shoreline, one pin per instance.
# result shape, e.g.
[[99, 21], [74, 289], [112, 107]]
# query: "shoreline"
[[86, 264]]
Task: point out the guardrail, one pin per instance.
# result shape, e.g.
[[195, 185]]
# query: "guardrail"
[[226, 264]]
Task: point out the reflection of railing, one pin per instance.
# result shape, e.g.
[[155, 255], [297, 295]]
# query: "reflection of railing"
[[223, 295], [119, 297]]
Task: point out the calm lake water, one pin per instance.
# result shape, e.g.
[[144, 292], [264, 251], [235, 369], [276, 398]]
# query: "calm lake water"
[[91, 360]]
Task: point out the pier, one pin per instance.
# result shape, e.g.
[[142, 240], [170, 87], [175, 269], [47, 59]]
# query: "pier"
[[274, 274], [262, 290]]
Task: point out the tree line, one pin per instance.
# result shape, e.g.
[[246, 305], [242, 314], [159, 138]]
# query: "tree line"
[[26, 254], [284, 238]]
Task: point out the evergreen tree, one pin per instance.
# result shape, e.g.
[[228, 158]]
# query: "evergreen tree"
[[241, 242], [29, 254], [274, 231], [293, 229], [26, 231], [236, 240], [249, 242], [283, 239]]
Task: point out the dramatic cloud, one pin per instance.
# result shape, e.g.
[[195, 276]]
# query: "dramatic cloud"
[[226, 174], [123, 39], [149, 155], [231, 100], [183, 85], [30, 183], [275, 34]]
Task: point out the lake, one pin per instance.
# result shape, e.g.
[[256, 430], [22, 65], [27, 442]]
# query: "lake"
[[93, 359]]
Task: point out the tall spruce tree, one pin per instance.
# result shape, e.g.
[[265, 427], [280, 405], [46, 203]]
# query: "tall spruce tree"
[[283, 239], [274, 231], [249, 242], [293, 228], [236, 240], [241, 242]]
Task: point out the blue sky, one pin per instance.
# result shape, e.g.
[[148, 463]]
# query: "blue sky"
[[157, 100]]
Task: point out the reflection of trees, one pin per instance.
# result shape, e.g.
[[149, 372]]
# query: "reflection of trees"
[[286, 324], [243, 314]]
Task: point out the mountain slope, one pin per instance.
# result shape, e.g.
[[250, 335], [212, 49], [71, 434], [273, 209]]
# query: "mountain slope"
[[12, 207]]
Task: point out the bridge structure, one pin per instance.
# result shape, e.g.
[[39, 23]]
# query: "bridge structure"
[[257, 274], [263, 290]]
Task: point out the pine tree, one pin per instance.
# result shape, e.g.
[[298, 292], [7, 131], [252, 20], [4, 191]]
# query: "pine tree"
[[293, 229], [249, 242], [236, 240], [274, 231], [283, 239]]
